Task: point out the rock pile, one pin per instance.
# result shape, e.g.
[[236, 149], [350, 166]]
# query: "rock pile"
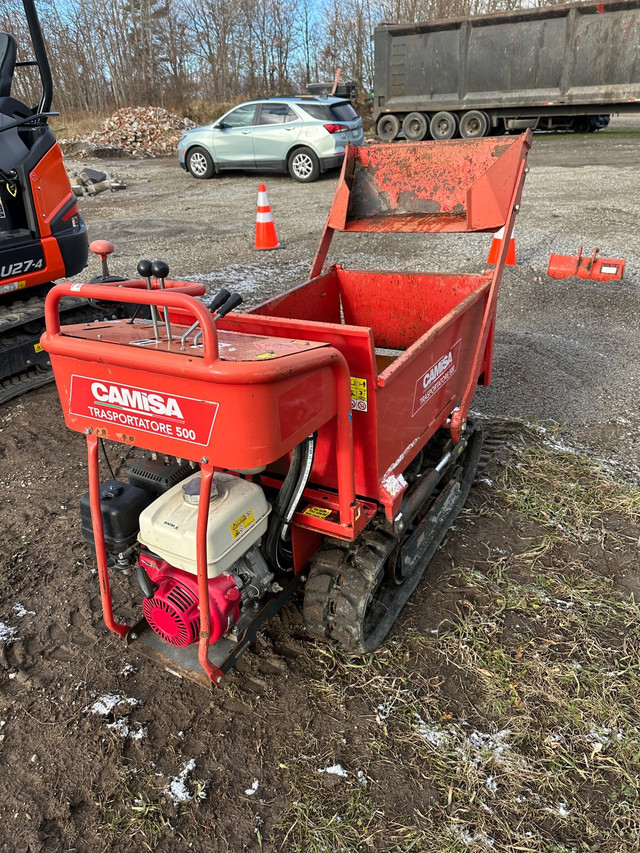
[[139, 132]]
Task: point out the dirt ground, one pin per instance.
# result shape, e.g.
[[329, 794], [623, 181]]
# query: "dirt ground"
[[428, 744]]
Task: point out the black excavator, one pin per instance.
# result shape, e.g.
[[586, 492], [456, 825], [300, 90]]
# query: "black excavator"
[[42, 234]]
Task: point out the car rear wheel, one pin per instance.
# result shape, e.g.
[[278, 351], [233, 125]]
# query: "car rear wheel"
[[304, 166], [200, 163]]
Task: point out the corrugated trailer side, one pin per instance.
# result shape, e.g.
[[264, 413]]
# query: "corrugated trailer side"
[[558, 66]]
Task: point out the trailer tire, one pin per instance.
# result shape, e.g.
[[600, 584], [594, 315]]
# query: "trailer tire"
[[388, 128], [443, 125], [415, 127], [582, 124], [474, 125]]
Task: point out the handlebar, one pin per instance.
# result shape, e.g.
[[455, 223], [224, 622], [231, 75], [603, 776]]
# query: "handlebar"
[[179, 296]]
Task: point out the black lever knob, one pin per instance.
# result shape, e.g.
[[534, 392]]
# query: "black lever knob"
[[219, 299], [144, 268], [232, 302], [147, 586], [160, 269]]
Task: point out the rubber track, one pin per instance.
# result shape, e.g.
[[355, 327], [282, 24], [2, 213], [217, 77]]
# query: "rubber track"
[[19, 313], [29, 380], [339, 604], [338, 592]]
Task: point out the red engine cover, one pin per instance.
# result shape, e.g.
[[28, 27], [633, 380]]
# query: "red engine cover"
[[173, 612]]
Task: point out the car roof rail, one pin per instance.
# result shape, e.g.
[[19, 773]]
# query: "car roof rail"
[[295, 98]]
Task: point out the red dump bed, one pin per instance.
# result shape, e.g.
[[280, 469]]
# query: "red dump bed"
[[375, 362]]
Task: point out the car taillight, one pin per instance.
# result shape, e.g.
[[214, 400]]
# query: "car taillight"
[[335, 128]]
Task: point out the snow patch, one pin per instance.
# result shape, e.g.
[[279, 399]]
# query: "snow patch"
[[334, 770], [435, 736], [105, 704], [178, 788], [7, 632]]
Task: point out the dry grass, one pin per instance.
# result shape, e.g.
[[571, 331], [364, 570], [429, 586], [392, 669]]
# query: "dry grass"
[[68, 125], [515, 727]]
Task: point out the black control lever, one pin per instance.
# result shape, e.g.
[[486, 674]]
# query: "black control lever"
[[219, 299], [221, 304], [144, 271], [160, 270], [232, 302]]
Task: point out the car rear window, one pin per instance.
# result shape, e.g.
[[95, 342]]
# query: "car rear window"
[[276, 114], [331, 112]]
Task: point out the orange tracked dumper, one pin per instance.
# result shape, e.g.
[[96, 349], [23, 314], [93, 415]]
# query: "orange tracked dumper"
[[320, 440]]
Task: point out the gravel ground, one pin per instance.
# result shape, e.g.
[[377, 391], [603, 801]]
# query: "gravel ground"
[[566, 351]]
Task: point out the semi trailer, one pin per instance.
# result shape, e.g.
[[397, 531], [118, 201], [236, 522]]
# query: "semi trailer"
[[557, 67]]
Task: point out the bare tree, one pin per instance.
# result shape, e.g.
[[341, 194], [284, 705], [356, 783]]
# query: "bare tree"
[[107, 53]]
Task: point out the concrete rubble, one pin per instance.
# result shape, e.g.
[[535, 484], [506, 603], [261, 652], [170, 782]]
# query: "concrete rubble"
[[92, 182], [138, 132]]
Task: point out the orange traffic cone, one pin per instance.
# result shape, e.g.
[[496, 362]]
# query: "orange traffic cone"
[[495, 246], [265, 229]]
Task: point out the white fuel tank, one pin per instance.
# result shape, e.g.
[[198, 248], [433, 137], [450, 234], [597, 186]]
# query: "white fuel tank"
[[238, 515]]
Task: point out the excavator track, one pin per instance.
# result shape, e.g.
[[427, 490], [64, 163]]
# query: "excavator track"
[[24, 366], [355, 591], [21, 383]]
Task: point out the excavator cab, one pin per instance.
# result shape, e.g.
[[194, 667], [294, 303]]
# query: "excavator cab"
[[42, 234]]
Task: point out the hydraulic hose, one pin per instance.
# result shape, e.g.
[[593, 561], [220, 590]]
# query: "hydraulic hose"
[[289, 496]]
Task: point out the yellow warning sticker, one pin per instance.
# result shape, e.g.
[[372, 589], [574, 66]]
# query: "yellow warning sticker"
[[359, 396], [37, 347], [317, 511], [242, 524]]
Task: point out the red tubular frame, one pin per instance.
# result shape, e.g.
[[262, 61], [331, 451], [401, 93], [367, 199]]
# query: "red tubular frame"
[[98, 538], [132, 296], [204, 367], [212, 671], [461, 413]]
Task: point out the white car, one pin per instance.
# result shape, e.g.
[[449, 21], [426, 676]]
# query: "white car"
[[303, 136]]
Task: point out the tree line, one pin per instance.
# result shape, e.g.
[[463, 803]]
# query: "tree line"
[[187, 54]]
